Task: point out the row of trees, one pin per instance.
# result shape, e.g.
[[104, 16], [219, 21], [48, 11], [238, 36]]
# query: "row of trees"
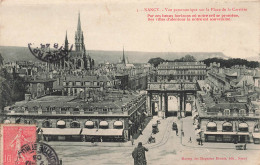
[[232, 62], [156, 61], [223, 63]]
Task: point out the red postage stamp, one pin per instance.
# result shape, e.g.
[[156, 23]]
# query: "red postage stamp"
[[13, 140]]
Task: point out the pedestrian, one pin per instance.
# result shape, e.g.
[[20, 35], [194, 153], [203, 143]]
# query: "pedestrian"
[[140, 130], [101, 140], [139, 155], [177, 131], [132, 140], [190, 141]]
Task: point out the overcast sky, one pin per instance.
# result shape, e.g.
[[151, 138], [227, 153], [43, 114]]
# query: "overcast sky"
[[108, 25]]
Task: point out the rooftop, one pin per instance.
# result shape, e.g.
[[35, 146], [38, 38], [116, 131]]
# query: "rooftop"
[[115, 102]]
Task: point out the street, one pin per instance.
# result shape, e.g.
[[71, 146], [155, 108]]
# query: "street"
[[167, 149]]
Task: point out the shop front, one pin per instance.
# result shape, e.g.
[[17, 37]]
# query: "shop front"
[[61, 134], [104, 135], [228, 137]]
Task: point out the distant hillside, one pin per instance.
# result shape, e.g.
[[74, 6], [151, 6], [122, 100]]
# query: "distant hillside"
[[11, 53]]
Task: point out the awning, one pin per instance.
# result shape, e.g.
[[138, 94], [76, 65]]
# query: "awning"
[[211, 124], [89, 123], [103, 123], [102, 132], [226, 133], [61, 122], [118, 123], [256, 135], [227, 124], [7, 122], [243, 125], [60, 131]]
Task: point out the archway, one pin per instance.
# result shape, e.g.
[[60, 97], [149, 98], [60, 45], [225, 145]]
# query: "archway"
[[172, 106], [188, 109], [155, 108]]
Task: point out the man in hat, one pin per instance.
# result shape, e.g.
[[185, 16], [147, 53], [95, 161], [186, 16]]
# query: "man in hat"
[[139, 155]]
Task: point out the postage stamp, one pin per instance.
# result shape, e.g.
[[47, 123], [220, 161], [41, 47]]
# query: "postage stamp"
[[19, 147]]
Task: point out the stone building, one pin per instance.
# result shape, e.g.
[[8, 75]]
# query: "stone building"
[[114, 118]]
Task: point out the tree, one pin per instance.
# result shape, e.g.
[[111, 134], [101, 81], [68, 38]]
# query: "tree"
[[187, 58], [5, 93], [12, 85], [231, 62], [156, 61]]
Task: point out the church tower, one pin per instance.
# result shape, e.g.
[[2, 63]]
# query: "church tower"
[[79, 37]]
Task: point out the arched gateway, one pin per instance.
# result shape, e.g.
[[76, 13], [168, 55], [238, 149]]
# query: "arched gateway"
[[171, 98]]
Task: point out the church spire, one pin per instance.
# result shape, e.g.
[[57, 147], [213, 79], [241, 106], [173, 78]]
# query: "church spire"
[[66, 42], [79, 38], [79, 23], [123, 60]]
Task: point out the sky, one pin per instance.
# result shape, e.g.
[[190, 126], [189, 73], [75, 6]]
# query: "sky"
[[114, 24]]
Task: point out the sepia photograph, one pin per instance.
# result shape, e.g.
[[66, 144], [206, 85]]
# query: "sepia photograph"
[[135, 82]]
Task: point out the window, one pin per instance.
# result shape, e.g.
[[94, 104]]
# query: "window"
[[61, 124], [78, 83], [75, 124], [89, 124], [226, 112], [46, 124], [118, 125], [211, 126], [87, 83], [242, 112], [103, 125], [227, 127], [243, 127]]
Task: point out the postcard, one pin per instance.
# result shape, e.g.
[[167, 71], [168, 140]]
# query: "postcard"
[[129, 82]]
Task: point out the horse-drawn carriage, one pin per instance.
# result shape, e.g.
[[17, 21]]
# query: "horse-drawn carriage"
[[155, 128]]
